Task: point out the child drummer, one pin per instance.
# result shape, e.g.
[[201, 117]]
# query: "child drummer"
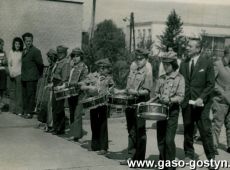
[[169, 91], [52, 58], [99, 83], [78, 72], [60, 76], [139, 85]]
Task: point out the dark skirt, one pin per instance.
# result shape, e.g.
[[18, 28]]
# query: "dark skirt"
[[3, 79]]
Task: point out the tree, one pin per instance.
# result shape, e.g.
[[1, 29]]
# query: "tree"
[[108, 40], [172, 36]]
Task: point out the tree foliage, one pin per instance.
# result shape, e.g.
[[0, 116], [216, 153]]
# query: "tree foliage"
[[109, 42], [172, 36]]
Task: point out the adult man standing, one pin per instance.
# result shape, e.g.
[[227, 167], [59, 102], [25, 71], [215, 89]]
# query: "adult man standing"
[[199, 84], [221, 101], [32, 67]]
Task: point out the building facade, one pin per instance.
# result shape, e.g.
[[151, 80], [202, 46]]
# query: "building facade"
[[217, 36]]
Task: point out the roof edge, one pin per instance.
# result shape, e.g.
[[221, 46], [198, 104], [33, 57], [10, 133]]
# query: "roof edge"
[[185, 24], [67, 1]]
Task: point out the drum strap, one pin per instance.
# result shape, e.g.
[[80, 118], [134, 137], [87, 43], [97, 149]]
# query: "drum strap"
[[71, 74], [53, 70]]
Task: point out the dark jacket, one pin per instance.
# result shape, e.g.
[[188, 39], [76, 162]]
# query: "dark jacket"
[[32, 64], [201, 83]]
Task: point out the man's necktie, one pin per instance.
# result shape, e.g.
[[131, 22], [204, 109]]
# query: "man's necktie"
[[192, 68]]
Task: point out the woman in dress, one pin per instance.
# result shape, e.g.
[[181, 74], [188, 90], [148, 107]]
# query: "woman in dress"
[[14, 65]]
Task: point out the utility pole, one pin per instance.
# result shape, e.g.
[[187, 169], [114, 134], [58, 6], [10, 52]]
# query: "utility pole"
[[93, 20], [132, 19], [132, 32]]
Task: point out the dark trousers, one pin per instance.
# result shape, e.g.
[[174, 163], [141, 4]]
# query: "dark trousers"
[[200, 116], [29, 94], [76, 127], [99, 128], [72, 101], [15, 92], [58, 115], [166, 132], [136, 135]]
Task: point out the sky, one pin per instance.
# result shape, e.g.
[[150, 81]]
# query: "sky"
[[214, 12]]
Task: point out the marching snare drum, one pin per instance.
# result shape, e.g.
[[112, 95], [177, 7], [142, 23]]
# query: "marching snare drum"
[[94, 102], [152, 111], [121, 100], [65, 93]]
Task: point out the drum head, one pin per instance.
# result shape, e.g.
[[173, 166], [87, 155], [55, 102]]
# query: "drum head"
[[153, 116]]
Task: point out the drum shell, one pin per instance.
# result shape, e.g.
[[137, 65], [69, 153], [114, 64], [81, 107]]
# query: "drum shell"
[[65, 93], [121, 100], [153, 111], [94, 102]]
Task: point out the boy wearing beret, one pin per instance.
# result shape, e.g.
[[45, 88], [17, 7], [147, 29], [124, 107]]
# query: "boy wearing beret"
[[60, 76], [169, 91], [99, 83], [139, 85], [78, 72]]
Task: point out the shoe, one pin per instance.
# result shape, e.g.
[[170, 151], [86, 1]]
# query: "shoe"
[[102, 152], [54, 132], [28, 116], [60, 132], [51, 130], [125, 162], [212, 166], [187, 159], [216, 151], [71, 138], [48, 129], [77, 140], [93, 150], [228, 149], [19, 114]]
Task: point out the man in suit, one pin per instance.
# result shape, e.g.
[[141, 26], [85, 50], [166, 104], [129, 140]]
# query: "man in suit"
[[199, 84], [32, 67]]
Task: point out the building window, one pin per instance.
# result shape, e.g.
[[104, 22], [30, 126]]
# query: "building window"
[[215, 44], [144, 33], [149, 34]]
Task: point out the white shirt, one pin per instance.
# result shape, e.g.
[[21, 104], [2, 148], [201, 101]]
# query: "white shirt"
[[15, 63], [195, 59]]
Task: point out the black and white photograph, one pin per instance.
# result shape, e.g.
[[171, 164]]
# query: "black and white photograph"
[[114, 84]]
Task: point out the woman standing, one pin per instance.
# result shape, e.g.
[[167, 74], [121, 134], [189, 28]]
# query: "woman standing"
[[14, 65]]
